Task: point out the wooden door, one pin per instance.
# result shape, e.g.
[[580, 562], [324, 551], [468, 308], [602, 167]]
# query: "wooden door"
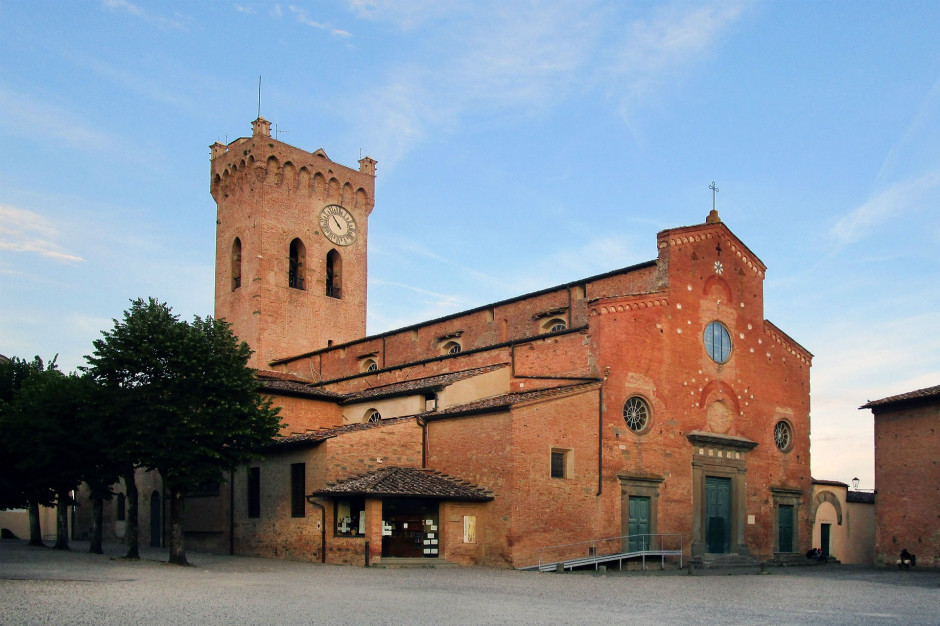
[[638, 526], [718, 514]]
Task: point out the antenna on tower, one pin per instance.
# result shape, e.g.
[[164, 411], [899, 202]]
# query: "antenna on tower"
[[277, 131], [259, 95]]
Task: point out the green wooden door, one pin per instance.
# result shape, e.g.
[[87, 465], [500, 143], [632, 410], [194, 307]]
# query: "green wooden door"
[[785, 527], [638, 526], [718, 514]]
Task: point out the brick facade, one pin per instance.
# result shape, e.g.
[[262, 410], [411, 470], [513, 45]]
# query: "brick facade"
[[530, 404], [907, 476]]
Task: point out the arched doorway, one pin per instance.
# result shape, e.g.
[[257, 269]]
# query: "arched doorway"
[[156, 534]]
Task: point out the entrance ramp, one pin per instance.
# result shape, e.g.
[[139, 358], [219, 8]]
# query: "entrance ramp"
[[603, 551]]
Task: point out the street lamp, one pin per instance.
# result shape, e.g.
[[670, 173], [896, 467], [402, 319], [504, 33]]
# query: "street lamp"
[[855, 483]]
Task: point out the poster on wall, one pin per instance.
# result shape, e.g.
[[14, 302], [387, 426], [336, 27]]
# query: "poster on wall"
[[469, 528]]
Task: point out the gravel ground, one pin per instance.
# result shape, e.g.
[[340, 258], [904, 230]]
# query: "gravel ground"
[[45, 586]]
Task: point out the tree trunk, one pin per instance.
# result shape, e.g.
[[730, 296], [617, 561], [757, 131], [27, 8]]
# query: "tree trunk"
[[177, 508], [35, 532], [97, 513], [61, 521], [132, 530]]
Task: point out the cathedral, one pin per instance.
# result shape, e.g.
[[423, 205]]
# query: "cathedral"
[[649, 407]]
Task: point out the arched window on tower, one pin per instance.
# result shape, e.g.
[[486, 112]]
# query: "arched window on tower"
[[295, 272], [236, 264], [334, 274]]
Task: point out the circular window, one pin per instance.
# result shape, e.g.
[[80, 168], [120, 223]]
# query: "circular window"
[[451, 347], [783, 436], [636, 414], [717, 342], [373, 416]]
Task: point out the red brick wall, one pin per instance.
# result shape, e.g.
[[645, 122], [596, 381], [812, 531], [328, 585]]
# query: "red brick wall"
[[653, 347], [301, 414], [479, 450], [907, 475]]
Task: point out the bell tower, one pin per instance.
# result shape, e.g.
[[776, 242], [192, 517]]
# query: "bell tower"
[[291, 244]]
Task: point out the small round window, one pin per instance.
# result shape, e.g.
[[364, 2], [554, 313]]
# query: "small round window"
[[717, 342], [636, 414], [451, 347], [373, 416], [783, 436]]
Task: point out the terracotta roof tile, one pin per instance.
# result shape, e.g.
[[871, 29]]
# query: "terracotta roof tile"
[[410, 386], [406, 482], [508, 400], [291, 384], [927, 393], [315, 437]]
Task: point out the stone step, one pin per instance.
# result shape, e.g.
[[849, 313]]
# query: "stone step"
[[393, 561]]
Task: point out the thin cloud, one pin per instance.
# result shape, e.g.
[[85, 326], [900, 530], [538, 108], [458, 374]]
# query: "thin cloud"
[[903, 197], [524, 58], [657, 48], [139, 12], [29, 232], [35, 119], [303, 17]]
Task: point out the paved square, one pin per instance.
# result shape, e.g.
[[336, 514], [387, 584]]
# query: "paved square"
[[46, 586]]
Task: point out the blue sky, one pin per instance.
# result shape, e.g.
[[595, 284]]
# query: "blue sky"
[[519, 145]]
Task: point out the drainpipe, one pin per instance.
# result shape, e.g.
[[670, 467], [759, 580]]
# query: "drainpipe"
[[231, 511], [600, 438], [322, 528], [424, 443]]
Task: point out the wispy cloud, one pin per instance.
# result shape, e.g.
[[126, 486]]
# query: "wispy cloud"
[[26, 231], [409, 14], [902, 197], [304, 18], [523, 58], [26, 116], [132, 9], [656, 48]]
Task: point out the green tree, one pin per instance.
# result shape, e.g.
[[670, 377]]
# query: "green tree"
[[14, 486], [44, 418], [190, 402]]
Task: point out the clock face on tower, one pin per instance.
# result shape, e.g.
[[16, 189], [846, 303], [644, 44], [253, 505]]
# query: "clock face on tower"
[[338, 225]]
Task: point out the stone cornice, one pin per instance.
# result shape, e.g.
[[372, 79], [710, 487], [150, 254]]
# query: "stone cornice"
[[702, 438]]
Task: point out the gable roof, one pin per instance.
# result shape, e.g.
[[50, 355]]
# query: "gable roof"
[[509, 400], [919, 396], [316, 437], [406, 482], [419, 384], [286, 384]]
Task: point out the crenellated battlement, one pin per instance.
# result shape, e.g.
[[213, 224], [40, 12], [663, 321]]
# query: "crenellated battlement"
[[263, 159]]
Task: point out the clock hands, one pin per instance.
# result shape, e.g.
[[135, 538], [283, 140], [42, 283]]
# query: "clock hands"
[[338, 225]]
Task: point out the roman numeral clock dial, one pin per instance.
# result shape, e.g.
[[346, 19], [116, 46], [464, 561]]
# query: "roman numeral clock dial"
[[338, 225]]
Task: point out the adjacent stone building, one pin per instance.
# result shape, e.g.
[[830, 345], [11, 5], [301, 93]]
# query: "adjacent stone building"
[[907, 476], [653, 404], [843, 522]]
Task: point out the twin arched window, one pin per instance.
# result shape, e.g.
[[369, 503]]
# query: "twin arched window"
[[295, 268]]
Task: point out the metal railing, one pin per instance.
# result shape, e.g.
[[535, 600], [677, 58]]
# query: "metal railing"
[[597, 551]]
